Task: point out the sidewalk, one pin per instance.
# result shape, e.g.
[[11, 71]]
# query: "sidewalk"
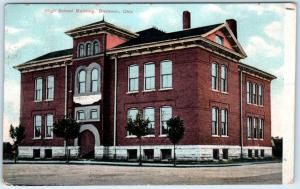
[[93, 162]]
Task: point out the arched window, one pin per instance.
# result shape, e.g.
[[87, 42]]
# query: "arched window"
[[214, 121], [81, 81], [224, 122], [88, 49], [96, 47], [81, 50], [214, 76], [260, 95], [95, 80], [223, 78]]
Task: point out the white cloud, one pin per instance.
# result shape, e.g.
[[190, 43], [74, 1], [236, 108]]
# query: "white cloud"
[[258, 46], [274, 30], [214, 9], [154, 13], [12, 30], [11, 48]]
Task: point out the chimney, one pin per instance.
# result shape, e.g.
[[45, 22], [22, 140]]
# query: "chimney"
[[233, 26], [186, 20]]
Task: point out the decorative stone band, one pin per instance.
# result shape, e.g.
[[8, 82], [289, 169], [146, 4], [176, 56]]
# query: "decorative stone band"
[[88, 99]]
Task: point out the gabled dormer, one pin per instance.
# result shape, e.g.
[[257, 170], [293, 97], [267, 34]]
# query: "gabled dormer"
[[95, 38]]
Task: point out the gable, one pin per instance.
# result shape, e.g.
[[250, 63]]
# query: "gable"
[[226, 43], [230, 40]]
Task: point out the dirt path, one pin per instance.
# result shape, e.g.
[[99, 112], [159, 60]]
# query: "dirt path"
[[51, 174]]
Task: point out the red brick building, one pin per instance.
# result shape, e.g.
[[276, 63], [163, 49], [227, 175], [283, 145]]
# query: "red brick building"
[[111, 74]]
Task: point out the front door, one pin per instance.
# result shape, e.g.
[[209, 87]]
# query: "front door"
[[87, 144]]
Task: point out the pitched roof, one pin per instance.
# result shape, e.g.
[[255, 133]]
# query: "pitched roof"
[[155, 35], [246, 67], [53, 54]]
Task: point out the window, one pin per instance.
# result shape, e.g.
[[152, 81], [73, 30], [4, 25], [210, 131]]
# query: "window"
[[214, 122], [94, 114], [88, 49], [132, 154], [249, 125], [48, 153], [80, 115], [224, 122], [81, 50], [219, 40], [81, 81], [36, 153], [255, 127], [149, 77], [96, 47], [149, 114], [262, 153], [216, 154], [261, 129], [166, 74], [133, 80], [38, 89], [249, 153], [214, 76], [225, 153], [166, 114], [256, 153], [37, 126], [223, 78], [249, 95], [166, 154], [260, 95], [49, 126], [95, 80], [50, 87], [132, 114], [254, 93], [149, 154]]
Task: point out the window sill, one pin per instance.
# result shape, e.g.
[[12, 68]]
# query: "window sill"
[[132, 92], [249, 138], [223, 92], [215, 135], [131, 136], [88, 120], [215, 90], [224, 136], [38, 101], [162, 136], [48, 138], [165, 89], [150, 90], [37, 138], [49, 100], [149, 136]]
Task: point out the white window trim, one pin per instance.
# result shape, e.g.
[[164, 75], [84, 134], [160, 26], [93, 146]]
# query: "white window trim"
[[149, 90], [35, 85], [47, 98], [34, 124], [217, 77], [149, 107], [128, 79], [46, 125], [160, 120], [127, 133], [217, 117], [160, 76]]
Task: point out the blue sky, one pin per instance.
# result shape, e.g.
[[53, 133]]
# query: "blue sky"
[[33, 30]]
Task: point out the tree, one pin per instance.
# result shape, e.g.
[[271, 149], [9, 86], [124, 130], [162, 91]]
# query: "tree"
[[68, 129], [17, 135], [175, 132], [139, 128]]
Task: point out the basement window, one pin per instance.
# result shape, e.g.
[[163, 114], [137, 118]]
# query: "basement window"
[[249, 153], [36, 153], [149, 154], [216, 154], [48, 153], [132, 154], [225, 153], [256, 153], [165, 154], [262, 153]]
